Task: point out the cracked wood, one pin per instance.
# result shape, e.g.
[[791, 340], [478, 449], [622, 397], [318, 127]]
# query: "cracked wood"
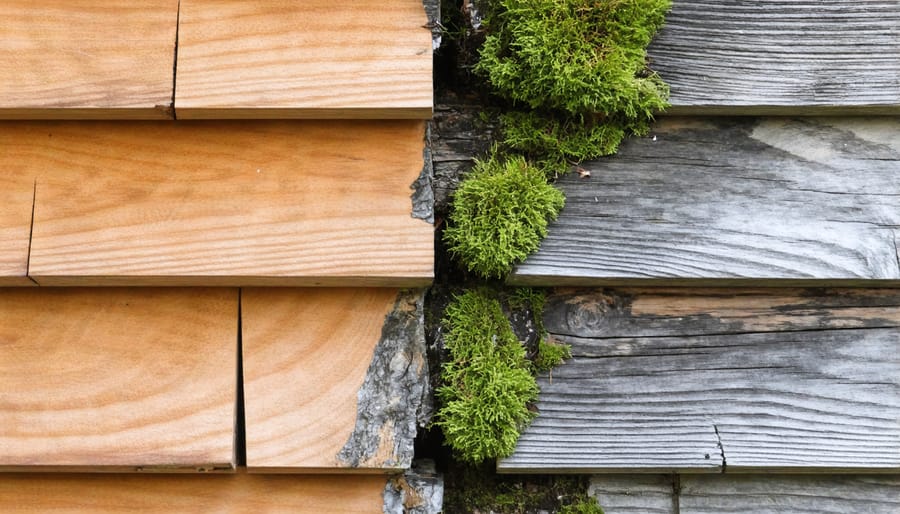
[[309, 59], [714, 201], [117, 379], [87, 59], [683, 380], [223, 203], [780, 57]]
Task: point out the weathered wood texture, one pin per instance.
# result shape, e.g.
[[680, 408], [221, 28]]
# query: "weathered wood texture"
[[634, 494], [692, 381], [87, 59], [719, 201], [780, 57], [188, 494], [310, 59], [117, 379], [309, 385], [223, 203], [16, 204], [778, 494]]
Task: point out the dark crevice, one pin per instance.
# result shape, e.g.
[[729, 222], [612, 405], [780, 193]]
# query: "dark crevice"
[[721, 448], [575, 338], [676, 493], [31, 233], [175, 61], [896, 251], [240, 422]]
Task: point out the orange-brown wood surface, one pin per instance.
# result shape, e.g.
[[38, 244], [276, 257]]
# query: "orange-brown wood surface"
[[87, 58], [16, 198], [223, 203], [309, 59], [130, 379], [306, 352], [187, 494]]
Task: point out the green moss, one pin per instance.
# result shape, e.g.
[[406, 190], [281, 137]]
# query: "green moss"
[[586, 505], [550, 354], [500, 214], [581, 65], [487, 382]]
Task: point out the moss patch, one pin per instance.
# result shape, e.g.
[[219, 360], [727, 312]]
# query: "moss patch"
[[500, 214]]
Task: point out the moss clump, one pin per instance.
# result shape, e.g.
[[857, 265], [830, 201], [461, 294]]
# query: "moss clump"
[[578, 60], [487, 380], [586, 505], [550, 354], [500, 214]]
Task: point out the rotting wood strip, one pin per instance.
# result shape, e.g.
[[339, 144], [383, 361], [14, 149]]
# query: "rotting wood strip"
[[718, 201], [800, 381]]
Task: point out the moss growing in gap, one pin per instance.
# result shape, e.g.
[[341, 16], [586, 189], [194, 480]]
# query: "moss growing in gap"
[[576, 72], [487, 383], [500, 214]]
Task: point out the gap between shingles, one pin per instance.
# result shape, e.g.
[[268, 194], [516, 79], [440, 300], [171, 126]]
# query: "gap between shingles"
[[31, 234], [175, 60], [240, 421]]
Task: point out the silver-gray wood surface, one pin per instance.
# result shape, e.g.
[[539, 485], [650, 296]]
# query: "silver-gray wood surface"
[[781, 56], [772, 201], [634, 494], [685, 380]]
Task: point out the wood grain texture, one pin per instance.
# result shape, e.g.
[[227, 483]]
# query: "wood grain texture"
[[306, 352], [16, 205], [732, 201], [87, 59], [681, 389], [224, 203], [130, 379], [634, 494], [779, 494], [190, 494], [310, 59], [780, 57]]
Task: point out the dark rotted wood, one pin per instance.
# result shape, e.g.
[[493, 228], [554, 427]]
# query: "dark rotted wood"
[[715, 201], [781, 56], [789, 494], [802, 381]]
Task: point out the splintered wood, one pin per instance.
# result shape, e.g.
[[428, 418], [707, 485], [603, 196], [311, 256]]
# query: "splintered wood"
[[714, 201], [221, 203], [16, 203], [87, 59], [780, 57], [309, 59], [126, 379], [715, 381], [190, 494], [306, 353]]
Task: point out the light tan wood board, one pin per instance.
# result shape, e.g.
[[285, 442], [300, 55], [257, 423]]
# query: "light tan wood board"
[[117, 379], [224, 203], [16, 202], [87, 59], [310, 59], [305, 356], [190, 494]]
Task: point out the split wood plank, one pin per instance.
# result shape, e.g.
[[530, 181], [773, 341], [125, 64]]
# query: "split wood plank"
[[720, 201], [226, 494], [224, 203], [117, 379], [310, 59], [87, 59], [16, 206], [778, 494], [780, 57], [809, 384], [307, 354]]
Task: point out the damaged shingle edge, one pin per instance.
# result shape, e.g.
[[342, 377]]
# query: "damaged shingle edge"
[[418, 491], [395, 396], [423, 192], [433, 11]]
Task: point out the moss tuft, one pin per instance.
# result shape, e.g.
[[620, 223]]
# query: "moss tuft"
[[500, 214], [580, 61], [550, 354], [487, 380], [586, 505]]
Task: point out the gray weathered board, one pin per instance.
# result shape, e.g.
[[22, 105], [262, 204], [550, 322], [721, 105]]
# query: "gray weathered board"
[[759, 494], [694, 380], [723, 201], [781, 56]]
